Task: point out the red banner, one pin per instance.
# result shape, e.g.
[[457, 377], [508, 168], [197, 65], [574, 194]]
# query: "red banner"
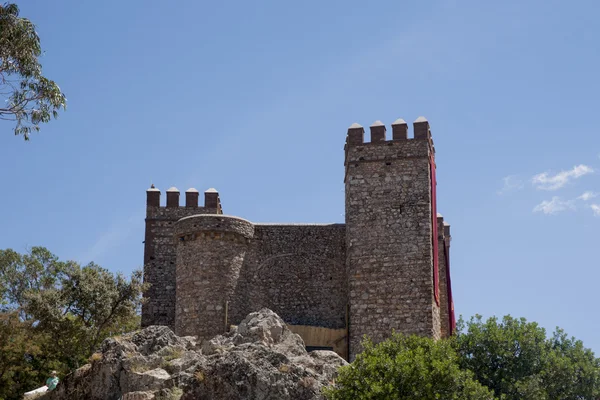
[[434, 230]]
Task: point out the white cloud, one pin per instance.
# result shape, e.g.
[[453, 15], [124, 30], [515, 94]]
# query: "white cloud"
[[545, 181], [554, 206], [587, 196], [510, 183], [557, 205]]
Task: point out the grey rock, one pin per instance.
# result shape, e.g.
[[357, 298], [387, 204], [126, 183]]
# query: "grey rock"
[[148, 380], [139, 396], [260, 359]]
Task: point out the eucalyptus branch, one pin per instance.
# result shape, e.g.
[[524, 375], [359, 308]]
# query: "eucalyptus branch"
[[34, 98]]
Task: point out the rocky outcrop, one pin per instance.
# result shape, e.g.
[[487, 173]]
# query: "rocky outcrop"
[[260, 359]]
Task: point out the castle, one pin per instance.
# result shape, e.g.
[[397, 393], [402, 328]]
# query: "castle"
[[386, 268]]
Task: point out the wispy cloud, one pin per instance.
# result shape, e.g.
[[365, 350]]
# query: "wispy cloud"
[[511, 183], [546, 181], [110, 239], [554, 206], [587, 196]]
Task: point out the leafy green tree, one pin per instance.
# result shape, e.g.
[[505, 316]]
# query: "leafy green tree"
[[54, 314], [89, 305], [18, 347], [35, 271], [28, 98], [516, 360], [406, 367]]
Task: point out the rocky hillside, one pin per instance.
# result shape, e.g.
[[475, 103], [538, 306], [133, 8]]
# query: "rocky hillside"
[[260, 359]]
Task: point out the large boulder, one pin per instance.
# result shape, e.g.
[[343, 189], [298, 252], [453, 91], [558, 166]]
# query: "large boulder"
[[260, 359]]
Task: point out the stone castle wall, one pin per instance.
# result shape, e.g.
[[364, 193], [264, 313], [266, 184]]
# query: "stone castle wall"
[[444, 321], [389, 234], [372, 275], [210, 270], [298, 271], [159, 251], [443, 245], [211, 250]]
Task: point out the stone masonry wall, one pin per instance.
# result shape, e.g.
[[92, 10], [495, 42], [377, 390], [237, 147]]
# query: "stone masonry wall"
[[374, 273], [298, 271], [389, 236], [160, 258], [444, 311], [210, 254]]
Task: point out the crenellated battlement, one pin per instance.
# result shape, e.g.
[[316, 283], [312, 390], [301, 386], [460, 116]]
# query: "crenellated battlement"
[[383, 150], [212, 226], [192, 196], [378, 132]]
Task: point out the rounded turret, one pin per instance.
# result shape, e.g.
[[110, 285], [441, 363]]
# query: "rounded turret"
[[210, 253]]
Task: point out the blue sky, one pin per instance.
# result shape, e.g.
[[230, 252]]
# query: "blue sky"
[[254, 99]]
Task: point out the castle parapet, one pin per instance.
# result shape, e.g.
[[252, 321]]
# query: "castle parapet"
[[356, 133], [213, 226], [387, 152], [153, 197], [447, 236], [378, 132], [421, 128], [173, 197], [399, 130], [212, 201], [191, 198]]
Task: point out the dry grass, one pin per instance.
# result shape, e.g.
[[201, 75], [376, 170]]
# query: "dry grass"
[[199, 376], [307, 381], [173, 354], [95, 357], [170, 394], [284, 368], [138, 366]]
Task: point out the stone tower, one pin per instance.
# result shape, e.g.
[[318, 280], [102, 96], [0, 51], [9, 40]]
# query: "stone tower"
[[160, 250], [210, 255], [391, 233]]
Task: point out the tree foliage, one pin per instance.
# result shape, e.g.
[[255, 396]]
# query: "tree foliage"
[[29, 98], [407, 367], [21, 361], [506, 360], [54, 314], [516, 360]]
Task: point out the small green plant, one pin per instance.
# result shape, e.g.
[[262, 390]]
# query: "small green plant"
[[138, 366], [170, 394], [173, 354]]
